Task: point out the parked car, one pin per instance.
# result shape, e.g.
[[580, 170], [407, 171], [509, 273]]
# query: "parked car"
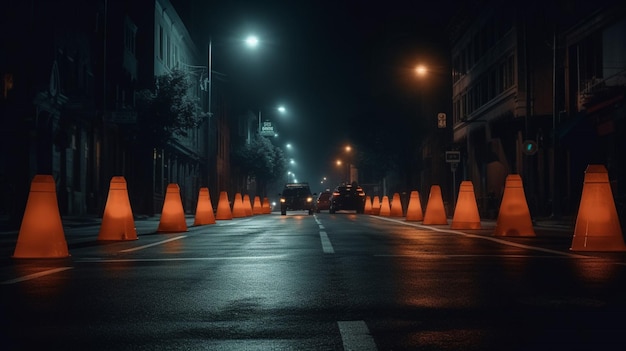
[[348, 197], [296, 197], [323, 201]]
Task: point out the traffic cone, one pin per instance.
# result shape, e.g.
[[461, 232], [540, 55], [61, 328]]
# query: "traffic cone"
[[41, 233], [257, 208], [396, 206], [267, 208], [118, 222], [238, 210], [368, 205], [223, 207], [414, 211], [385, 209], [204, 208], [435, 211], [376, 205], [597, 224], [514, 216], [172, 215], [466, 211], [247, 205]]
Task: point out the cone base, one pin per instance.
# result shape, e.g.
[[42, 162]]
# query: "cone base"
[[35, 251], [597, 243], [515, 232], [413, 219], [465, 225], [435, 222]]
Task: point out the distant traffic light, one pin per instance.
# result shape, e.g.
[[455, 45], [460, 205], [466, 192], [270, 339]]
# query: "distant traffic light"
[[529, 147]]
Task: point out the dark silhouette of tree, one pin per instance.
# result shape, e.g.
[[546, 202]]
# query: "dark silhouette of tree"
[[260, 159], [167, 110]]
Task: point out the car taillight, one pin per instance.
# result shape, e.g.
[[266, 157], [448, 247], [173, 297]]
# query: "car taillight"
[[336, 193]]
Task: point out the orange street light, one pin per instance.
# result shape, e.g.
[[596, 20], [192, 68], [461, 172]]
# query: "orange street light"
[[421, 70]]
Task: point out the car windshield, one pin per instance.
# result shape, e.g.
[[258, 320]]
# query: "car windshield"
[[296, 192], [348, 189]]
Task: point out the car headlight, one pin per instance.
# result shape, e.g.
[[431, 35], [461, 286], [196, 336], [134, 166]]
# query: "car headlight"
[[309, 199]]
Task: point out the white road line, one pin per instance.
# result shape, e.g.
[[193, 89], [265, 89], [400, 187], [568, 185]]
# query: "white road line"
[[499, 241], [36, 275], [326, 245], [322, 227], [120, 260], [356, 336], [154, 244]]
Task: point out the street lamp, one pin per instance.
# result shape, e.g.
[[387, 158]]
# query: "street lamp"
[[251, 41]]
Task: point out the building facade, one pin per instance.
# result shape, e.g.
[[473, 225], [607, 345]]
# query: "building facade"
[[68, 103], [520, 74]]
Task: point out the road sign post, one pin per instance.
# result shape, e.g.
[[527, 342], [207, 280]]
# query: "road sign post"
[[453, 158]]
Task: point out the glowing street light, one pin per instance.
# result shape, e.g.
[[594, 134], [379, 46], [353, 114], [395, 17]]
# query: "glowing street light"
[[252, 41], [421, 70]]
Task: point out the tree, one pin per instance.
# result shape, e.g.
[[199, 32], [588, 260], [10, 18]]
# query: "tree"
[[260, 159], [168, 109]]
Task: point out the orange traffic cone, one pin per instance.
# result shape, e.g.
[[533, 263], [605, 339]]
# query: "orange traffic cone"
[[257, 207], [172, 215], [435, 211], [396, 206], [41, 233], [267, 208], [368, 205], [223, 207], [376, 205], [514, 216], [118, 222], [247, 205], [238, 210], [414, 212], [597, 224], [385, 209], [466, 211], [204, 208]]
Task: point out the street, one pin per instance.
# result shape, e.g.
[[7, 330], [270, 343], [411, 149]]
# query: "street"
[[321, 282]]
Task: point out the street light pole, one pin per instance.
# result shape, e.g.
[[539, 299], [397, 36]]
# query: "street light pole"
[[259, 122], [210, 113]]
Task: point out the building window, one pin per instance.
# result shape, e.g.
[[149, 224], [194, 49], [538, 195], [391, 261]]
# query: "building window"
[[161, 42]]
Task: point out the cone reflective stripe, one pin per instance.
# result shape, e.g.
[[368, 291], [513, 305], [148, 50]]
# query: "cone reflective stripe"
[[238, 210], [466, 211], [172, 216], [396, 206], [223, 207], [514, 216], [247, 205], [414, 211], [597, 223], [376, 205], [41, 233], [435, 211], [385, 209], [368, 205], [204, 208], [257, 207], [118, 222], [267, 208]]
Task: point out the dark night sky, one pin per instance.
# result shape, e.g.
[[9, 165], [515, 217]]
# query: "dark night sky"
[[328, 62]]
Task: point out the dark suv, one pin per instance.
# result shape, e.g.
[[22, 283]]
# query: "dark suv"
[[349, 197], [296, 197]]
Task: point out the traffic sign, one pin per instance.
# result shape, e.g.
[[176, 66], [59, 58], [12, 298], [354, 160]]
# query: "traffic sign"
[[441, 120], [453, 156]]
